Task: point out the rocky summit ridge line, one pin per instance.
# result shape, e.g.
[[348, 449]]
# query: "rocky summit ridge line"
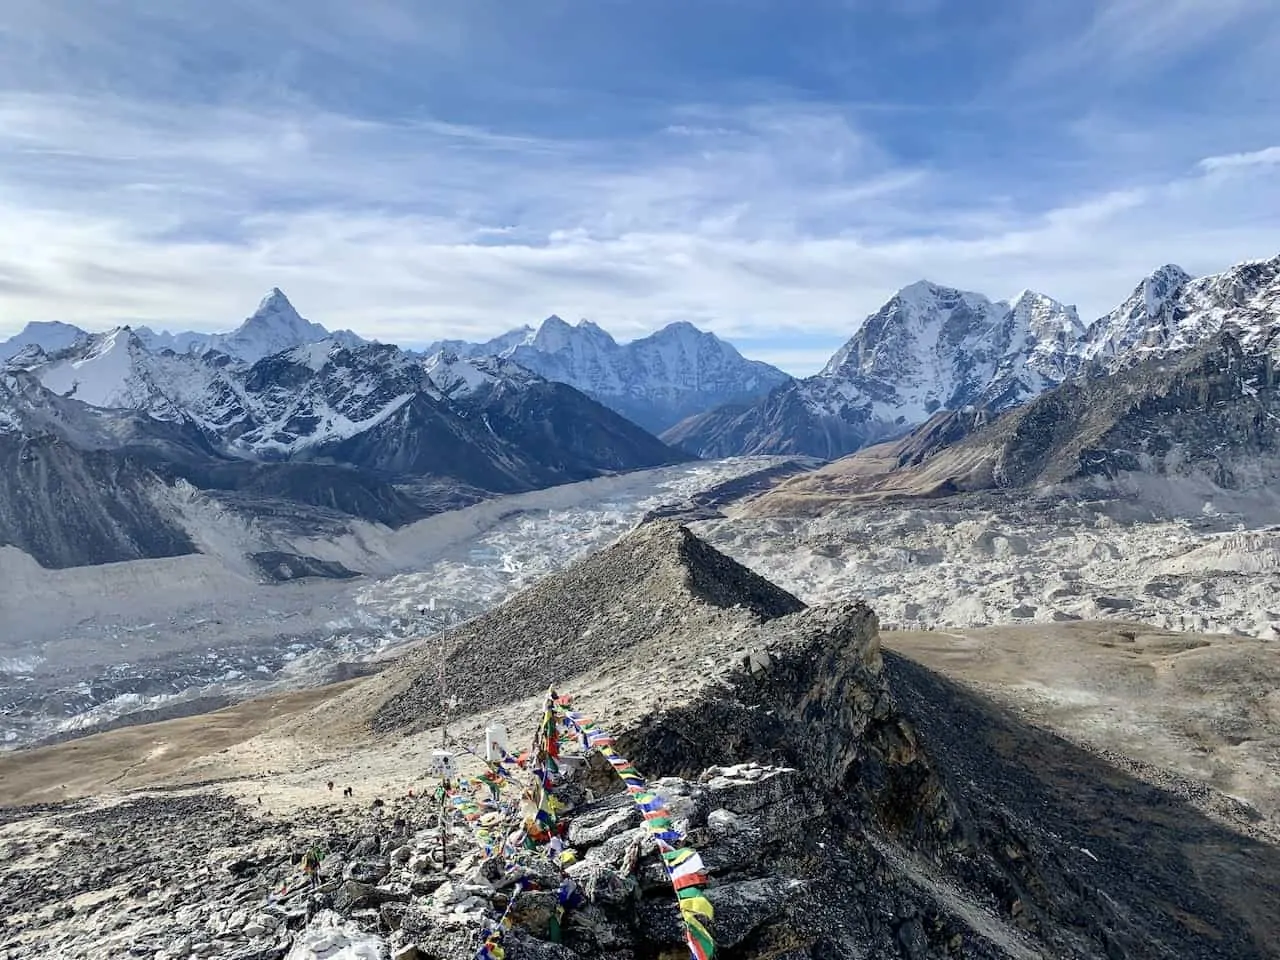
[[658, 588], [654, 381], [932, 348], [845, 802]]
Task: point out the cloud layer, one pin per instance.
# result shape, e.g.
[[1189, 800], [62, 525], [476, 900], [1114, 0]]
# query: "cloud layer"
[[769, 214]]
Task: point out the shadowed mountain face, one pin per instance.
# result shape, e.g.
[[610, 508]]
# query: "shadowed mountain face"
[[68, 507], [510, 437], [1116, 863]]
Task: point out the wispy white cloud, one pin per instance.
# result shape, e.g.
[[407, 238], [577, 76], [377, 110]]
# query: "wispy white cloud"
[[1131, 33], [129, 192], [780, 223], [1119, 40], [1269, 156]]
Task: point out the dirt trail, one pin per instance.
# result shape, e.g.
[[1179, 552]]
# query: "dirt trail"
[[160, 754]]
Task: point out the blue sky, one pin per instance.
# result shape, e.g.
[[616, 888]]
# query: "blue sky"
[[772, 171]]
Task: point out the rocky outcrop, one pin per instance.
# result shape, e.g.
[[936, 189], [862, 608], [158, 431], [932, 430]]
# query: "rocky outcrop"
[[846, 804], [660, 584]]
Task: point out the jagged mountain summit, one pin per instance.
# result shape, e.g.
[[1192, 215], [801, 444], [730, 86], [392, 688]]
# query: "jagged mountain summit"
[[365, 431], [655, 381], [49, 336], [1169, 434], [928, 348], [1170, 312], [274, 327], [933, 348]]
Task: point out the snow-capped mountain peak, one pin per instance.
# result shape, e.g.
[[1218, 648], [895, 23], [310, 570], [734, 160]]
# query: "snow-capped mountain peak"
[[276, 303], [681, 328], [1054, 326], [920, 325], [655, 380], [273, 328], [929, 348], [49, 335], [1169, 311], [1162, 286], [555, 335]]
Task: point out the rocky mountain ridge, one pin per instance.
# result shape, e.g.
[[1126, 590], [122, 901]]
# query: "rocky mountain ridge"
[[843, 802], [274, 327], [655, 381], [1170, 313], [1171, 434], [367, 431], [933, 348]]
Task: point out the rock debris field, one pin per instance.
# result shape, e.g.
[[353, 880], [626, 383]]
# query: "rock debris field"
[[992, 561]]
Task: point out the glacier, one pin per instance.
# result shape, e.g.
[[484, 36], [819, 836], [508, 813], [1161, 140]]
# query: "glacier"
[[88, 645]]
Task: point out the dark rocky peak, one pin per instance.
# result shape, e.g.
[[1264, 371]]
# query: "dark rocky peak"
[[658, 584]]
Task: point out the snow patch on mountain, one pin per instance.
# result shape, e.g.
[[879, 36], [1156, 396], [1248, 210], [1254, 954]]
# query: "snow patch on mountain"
[[103, 375], [455, 376], [326, 424], [313, 356]]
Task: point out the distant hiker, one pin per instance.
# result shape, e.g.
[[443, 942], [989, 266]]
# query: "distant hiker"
[[331, 786], [311, 866], [259, 801]]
